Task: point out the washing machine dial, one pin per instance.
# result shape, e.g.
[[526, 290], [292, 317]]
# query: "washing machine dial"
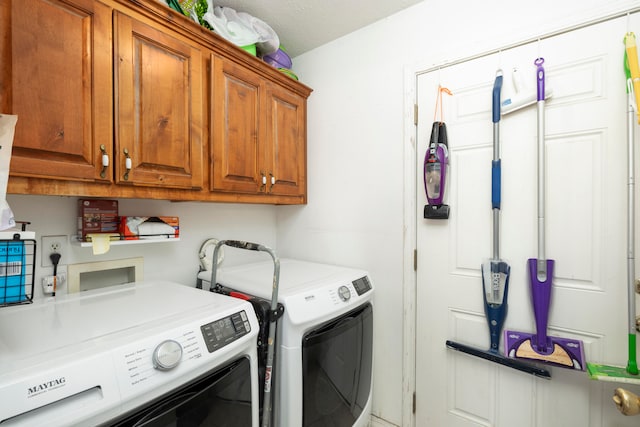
[[167, 355], [344, 293]]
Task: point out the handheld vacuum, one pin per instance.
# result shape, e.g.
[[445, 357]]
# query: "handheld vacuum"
[[435, 172]]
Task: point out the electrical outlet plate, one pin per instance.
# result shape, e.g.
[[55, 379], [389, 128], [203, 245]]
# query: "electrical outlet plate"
[[47, 283], [57, 243]]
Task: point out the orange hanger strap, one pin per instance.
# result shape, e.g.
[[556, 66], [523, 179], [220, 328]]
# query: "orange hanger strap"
[[439, 103]]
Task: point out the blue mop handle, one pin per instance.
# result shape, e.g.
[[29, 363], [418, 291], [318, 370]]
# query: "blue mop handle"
[[496, 175], [495, 105], [496, 179]]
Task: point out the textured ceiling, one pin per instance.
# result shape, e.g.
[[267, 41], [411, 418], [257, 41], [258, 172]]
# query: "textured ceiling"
[[303, 25]]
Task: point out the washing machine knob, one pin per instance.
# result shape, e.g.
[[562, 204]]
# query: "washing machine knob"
[[344, 293], [167, 355]]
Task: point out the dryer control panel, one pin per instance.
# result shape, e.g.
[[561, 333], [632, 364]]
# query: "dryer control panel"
[[362, 285]]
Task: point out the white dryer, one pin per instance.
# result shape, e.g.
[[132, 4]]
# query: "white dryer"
[[324, 357], [145, 354]]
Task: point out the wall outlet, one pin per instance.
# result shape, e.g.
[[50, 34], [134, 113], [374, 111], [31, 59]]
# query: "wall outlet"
[[47, 283], [51, 244]]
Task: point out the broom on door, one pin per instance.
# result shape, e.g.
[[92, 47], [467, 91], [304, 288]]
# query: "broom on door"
[[628, 374]]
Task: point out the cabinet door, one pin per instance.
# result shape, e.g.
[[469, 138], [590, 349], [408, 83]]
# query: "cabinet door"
[[236, 128], [286, 160], [59, 83], [158, 98]]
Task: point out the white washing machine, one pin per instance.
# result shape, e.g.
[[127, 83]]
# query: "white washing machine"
[[324, 356], [144, 354]]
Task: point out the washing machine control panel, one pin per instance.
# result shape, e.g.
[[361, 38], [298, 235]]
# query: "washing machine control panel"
[[225, 331], [362, 285]]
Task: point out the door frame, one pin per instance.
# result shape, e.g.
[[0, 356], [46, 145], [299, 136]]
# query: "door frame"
[[409, 259], [410, 196]]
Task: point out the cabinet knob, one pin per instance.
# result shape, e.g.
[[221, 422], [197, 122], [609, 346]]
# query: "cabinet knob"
[[105, 161], [127, 164], [264, 181]]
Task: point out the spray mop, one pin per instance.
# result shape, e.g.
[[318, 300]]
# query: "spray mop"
[[495, 272], [540, 347], [628, 374]]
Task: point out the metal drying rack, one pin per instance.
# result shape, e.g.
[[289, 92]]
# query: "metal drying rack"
[[275, 312]]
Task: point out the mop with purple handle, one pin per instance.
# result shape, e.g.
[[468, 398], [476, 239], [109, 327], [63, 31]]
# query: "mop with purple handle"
[[539, 347]]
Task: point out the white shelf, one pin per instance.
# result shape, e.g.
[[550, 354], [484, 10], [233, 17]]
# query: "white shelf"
[[77, 242]]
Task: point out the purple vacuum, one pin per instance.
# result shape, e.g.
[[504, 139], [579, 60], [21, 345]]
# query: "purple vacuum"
[[435, 172], [563, 352]]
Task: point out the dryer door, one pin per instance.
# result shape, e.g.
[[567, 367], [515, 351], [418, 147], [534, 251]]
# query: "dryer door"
[[337, 369]]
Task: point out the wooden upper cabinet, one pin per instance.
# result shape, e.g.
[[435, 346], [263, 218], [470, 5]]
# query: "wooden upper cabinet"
[[130, 99], [56, 76], [235, 128], [258, 135], [286, 139], [158, 99]]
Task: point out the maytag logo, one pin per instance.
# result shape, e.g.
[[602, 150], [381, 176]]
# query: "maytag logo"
[[46, 386]]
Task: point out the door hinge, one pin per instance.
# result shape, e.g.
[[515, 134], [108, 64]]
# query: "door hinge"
[[414, 402], [415, 260], [415, 114]]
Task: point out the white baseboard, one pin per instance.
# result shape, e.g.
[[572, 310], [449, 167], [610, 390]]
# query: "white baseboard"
[[379, 422]]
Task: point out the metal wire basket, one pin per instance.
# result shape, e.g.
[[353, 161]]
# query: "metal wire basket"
[[17, 270]]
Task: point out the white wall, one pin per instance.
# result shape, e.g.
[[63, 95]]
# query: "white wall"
[[356, 144], [53, 215]]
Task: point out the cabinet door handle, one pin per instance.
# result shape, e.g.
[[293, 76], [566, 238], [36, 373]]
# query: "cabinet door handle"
[[264, 181], [127, 164], [273, 181], [105, 161]]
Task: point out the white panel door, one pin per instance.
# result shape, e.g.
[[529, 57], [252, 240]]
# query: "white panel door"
[[585, 233]]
